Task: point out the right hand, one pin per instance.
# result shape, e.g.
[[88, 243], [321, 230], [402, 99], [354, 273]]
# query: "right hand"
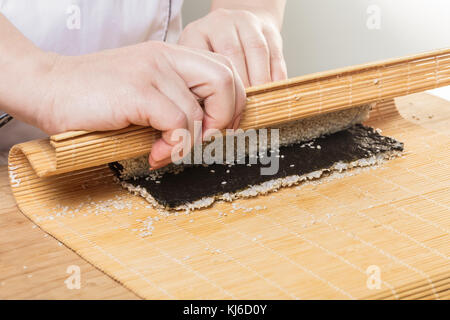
[[150, 84]]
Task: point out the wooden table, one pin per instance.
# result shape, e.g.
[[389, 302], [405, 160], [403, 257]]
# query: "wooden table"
[[33, 265]]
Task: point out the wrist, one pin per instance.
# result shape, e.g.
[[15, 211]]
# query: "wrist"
[[40, 104], [25, 90]]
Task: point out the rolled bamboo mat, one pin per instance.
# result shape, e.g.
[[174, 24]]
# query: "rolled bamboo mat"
[[267, 105], [329, 240]]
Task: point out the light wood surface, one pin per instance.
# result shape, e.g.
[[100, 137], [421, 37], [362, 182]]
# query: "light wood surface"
[[34, 266]]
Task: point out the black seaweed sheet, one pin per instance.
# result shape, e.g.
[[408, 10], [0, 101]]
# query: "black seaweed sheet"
[[196, 182]]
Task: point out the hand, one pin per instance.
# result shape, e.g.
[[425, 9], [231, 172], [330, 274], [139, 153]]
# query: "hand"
[[253, 43], [150, 84]]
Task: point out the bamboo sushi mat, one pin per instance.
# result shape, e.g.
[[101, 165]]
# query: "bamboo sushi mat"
[[305, 242]]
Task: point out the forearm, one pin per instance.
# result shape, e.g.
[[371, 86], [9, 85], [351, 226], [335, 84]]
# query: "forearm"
[[21, 65], [270, 9]]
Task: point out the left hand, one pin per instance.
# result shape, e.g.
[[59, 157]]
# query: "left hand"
[[252, 43]]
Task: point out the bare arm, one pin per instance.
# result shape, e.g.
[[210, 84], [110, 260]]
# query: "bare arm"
[[22, 65]]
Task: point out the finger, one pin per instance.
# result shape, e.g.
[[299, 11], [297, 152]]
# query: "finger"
[[212, 81], [256, 50], [157, 111], [229, 45], [191, 37], [278, 69], [180, 95], [177, 91], [240, 100], [162, 114], [158, 164], [240, 94], [237, 121], [160, 150], [168, 149]]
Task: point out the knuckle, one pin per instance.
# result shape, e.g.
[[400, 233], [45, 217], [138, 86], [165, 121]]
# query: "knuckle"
[[179, 120], [190, 28], [226, 61], [276, 54], [277, 39], [153, 61], [222, 12], [221, 122], [230, 48], [197, 113], [192, 108], [150, 66], [270, 27], [224, 78], [245, 14], [257, 43]]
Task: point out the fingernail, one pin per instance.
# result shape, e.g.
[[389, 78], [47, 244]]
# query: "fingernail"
[[160, 164], [153, 163]]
